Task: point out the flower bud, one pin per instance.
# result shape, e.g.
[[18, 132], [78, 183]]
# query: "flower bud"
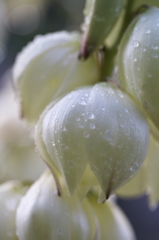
[[113, 223], [100, 16], [100, 126], [88, 179], [17, 150], [48, 68], [138, 62], [19, 159], [8, 105], [42, 214], [10, 196]]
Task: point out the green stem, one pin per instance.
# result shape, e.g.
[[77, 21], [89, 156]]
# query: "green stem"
[[111, 53]]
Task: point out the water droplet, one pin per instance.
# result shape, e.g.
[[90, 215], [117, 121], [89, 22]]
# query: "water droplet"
[[91, 116], [143, 19], [135, 44], [111, 91], [92, 126], [80, 125], [64, 129], [136, 29], [149, 75], [86, 135], [147, 31], [121, 95], [134, 167], [70, 163], [82, 102], [132, 126], [155, 56], [154, 46], [108, 135], [126, 110], [94, 168], [122, 125], [135, 59], [63, 146], [69, 96], [86, 95]]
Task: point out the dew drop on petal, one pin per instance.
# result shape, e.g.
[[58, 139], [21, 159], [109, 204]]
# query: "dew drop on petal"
[[108, 135], [149, 75], [91, 116], [92, 126], [155, 56], [135, 44], [82, 102], [64, 129], [134, 167], [80, 125], [69, 96], [86, 135], [154, 46], [78, 119], [136, 29], [143, 19], [147, 31]]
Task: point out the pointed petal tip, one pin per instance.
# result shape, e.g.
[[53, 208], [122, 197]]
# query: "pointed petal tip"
[[70, 188], [107, 196], [108, 192]]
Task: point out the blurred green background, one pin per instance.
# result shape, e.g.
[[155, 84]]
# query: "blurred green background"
[[22, 20]]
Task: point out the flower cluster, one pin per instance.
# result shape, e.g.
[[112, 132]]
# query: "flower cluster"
[[91, 99]]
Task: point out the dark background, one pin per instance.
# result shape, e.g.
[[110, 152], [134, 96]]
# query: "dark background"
[[67, 15]]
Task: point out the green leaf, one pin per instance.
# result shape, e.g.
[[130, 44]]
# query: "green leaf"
[[100, 17]]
